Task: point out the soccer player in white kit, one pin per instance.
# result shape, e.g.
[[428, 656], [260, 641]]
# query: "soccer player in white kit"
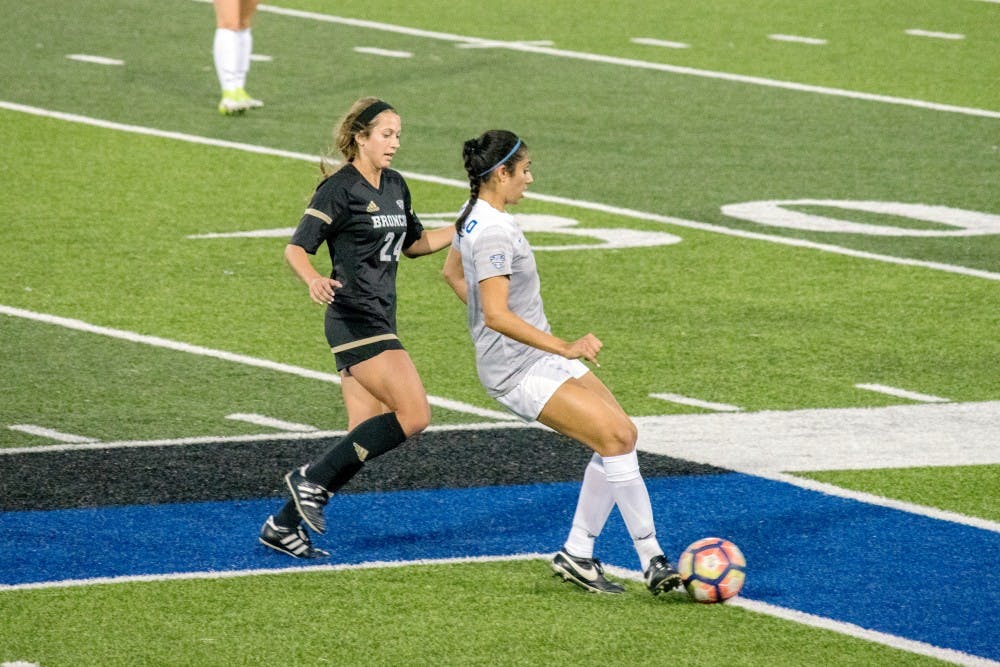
[[537, 375], [231, 50]]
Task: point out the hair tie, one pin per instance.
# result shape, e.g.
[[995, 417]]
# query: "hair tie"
[[369, 113], [506, 157]]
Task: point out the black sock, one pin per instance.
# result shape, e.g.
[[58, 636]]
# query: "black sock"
[[369, 439], [287, 516]]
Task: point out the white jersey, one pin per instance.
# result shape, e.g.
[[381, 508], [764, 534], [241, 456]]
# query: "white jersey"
[[491, 244]]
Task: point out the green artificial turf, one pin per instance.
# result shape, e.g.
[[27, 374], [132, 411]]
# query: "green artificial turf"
[[510, 613]]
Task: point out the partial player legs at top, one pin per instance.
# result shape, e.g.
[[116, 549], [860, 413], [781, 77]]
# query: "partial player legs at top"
[[232, 48]]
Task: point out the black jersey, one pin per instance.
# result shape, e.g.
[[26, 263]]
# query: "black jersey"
[[365, 230]]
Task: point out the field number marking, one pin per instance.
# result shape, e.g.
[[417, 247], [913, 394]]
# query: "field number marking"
[[553, 199], [775, 214]]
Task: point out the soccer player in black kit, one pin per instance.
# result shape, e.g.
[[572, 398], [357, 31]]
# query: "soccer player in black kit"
[[362, 212]]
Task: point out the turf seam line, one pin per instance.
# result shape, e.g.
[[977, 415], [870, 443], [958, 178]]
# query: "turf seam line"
[[256, 437], [849, 629], [629, 62], [223, 355], [553, 199], [840, 627]]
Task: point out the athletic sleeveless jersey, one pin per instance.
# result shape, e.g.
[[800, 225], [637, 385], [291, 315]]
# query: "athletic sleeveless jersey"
[[491, 245], [365, 230]]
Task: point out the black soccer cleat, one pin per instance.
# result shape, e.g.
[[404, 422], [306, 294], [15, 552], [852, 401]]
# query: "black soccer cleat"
[[292, 541], [309, 497], [661, 575], [587, 573]]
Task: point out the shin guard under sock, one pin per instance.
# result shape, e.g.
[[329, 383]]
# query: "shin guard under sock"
[[369, 439]]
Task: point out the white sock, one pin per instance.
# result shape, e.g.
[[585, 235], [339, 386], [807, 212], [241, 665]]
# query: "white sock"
[[245, 49], [632, 498], [227, 52], [592, 510]]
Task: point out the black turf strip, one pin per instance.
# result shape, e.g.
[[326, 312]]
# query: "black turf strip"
[[237, 470]]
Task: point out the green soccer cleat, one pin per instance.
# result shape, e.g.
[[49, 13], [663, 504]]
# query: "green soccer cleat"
[[251, 103], [232, 103]]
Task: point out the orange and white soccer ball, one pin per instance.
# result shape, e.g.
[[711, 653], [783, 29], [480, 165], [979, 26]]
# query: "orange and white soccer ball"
[[712, 569]]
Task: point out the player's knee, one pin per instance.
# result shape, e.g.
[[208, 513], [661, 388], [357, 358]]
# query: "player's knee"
[[414, 419], [621, 437]]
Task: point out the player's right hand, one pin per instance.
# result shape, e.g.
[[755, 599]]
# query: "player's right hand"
[[585, 348], [321, 289]]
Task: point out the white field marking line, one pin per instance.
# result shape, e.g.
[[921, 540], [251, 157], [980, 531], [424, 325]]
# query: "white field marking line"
[[493, 45], [881, 501], [234, 574], [261, 58], [97, 60], [840, 627], [903, 393], [592, 206], [802, 482], [373, 51], [916, 32], [255, 437], [650, 41], [625, 62], [43, 432], [270, 422], [798, 40], [156, 341], [781, 240], [696, 402]]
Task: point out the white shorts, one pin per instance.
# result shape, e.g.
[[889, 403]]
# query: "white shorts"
[[527, 399]]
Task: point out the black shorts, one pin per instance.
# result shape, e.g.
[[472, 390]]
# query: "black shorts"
[[352, 342]]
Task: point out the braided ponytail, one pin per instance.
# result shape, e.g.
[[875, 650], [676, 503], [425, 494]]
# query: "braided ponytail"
[[482, 156]]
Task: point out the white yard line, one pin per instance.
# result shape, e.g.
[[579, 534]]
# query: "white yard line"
[[528, 47], [850, 629], [96, 60], [696, 402], [51, 434], [667, 44], [256, 437], [271, 422], [770, 441], [755, 606], [840, 627], [223, 355], [916, 32], [814, 41], [902, 393], [374, 51], [565, 201]]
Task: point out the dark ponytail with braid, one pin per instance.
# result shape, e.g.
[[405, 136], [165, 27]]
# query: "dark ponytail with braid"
[[482, 156]]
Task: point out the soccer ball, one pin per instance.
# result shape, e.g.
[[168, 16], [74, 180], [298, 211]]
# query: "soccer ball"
[[712, 569]]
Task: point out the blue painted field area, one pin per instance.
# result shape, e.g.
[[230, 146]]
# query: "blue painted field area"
[[882, 569]]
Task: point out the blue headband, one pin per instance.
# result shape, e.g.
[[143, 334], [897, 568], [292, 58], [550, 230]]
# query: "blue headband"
[[503, 159]]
